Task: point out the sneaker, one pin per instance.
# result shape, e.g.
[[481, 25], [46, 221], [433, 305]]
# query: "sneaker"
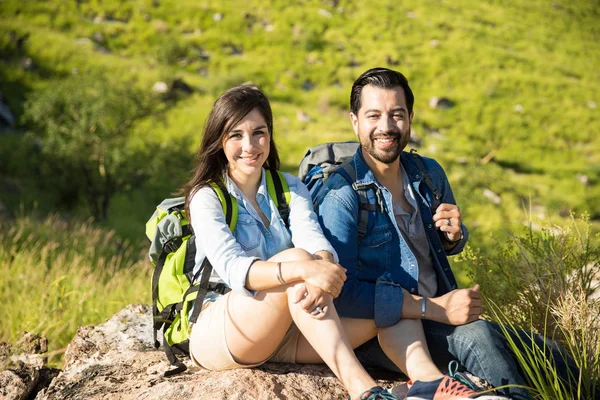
[[446, 388], [377, 393]]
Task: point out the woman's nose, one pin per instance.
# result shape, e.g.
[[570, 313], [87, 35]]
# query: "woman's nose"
[[248, 142]]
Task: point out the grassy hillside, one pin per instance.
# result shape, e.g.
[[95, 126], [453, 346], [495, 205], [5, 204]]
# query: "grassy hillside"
[[523, 78]]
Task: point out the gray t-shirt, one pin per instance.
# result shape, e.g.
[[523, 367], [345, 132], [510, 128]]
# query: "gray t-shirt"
[[412, 229]]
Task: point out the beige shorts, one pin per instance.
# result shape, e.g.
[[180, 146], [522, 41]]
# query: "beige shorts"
[[208, 347]]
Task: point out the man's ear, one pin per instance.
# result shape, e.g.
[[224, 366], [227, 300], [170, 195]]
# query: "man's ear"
[[354, 120], [412, 114]]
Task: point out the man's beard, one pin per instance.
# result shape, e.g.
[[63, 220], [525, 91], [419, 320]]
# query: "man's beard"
[[390, 154]]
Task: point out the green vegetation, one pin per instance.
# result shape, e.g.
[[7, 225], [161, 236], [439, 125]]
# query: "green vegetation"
[[545, 281], [58, 275], [523, 78]]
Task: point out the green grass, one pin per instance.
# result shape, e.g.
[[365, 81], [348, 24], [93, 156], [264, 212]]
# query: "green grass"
[[58, 275]]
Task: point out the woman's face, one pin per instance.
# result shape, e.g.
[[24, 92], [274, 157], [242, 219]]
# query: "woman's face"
[[246, 147]]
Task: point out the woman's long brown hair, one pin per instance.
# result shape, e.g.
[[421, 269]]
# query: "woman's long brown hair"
[[227, 112]]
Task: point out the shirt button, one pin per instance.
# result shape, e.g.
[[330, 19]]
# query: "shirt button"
[[429, 226], [439, 250], [412, 265], [412, 290]]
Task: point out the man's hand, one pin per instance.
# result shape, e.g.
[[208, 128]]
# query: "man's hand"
[[447, 220], [458, 307]]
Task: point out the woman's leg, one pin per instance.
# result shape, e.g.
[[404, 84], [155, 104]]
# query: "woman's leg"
[[256, 325], [404, 343]]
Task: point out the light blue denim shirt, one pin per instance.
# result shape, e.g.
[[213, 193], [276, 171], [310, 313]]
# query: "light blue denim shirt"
[[231, 255], [380, 265]]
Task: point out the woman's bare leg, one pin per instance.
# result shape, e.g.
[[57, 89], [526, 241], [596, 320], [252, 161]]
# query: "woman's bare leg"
[[256, 325], [404, 343]]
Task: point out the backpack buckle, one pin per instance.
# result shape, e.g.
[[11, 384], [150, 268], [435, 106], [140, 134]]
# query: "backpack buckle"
[[172, 245]]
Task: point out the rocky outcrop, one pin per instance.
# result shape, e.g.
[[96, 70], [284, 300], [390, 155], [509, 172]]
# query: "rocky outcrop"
[[116, 360], [23, 370]]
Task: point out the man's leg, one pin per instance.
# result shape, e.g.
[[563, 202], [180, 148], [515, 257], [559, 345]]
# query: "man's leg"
[[481, 348], [477, 346]]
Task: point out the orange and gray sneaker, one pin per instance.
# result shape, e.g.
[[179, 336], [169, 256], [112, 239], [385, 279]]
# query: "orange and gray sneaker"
[[446, 388], [454, 386]]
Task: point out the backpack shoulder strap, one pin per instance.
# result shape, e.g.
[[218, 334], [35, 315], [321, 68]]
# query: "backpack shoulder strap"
[[228, 203], [278, 189], [426, 177], [348, 171]]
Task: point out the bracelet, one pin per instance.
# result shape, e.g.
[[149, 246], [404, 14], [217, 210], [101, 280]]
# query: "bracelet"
[[278, 274], [423, 303]]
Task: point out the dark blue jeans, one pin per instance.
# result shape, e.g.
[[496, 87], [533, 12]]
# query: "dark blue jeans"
[[481, 348]]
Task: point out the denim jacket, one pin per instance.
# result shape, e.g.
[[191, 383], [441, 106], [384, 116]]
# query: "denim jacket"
[[232, 254], [381, 264]]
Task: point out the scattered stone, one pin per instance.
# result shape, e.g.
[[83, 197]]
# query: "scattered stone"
[[307, 86], [84, 41], [592, 105], [302, 116], [519, 108], [441, 103], [491, 196], [160, 87], [28, 64], [98, 37], [392, 61], [434, 43], [584, 179], [324, 13], [411, 15], [217, 17]]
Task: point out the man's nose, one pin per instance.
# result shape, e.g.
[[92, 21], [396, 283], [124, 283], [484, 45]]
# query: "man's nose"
[[386, 124]]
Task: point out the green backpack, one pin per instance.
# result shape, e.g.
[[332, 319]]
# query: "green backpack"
[[175, 289]]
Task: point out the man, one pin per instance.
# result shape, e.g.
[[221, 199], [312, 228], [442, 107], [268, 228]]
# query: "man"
[[399, 269]]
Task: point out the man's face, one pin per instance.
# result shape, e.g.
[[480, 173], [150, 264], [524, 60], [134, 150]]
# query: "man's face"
[[383, 123]]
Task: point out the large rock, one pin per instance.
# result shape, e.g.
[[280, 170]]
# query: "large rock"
[[116, 360], [23, 370]]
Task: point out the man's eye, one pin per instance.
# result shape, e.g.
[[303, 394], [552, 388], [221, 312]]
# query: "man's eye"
[[373, 116], [398, 116]]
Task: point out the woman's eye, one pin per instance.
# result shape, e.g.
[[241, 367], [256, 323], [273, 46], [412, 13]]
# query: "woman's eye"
[[234, 136], [259, 132]]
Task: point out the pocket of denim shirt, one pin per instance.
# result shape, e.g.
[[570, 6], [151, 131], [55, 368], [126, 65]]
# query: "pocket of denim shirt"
[[247, 232], [375, 250]]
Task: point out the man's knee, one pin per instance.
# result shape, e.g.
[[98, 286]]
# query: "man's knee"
[[479, 334]]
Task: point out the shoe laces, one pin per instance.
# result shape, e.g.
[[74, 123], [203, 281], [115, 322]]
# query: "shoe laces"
[[374, 395], [459, 376]]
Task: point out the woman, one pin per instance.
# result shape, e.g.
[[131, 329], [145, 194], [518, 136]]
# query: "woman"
[[283, 281]]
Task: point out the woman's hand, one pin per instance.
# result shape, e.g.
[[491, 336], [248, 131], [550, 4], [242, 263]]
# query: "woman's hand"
[[313, 300], [324, 275]]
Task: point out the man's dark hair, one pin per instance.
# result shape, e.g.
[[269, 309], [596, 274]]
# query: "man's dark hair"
[[382, 78]]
